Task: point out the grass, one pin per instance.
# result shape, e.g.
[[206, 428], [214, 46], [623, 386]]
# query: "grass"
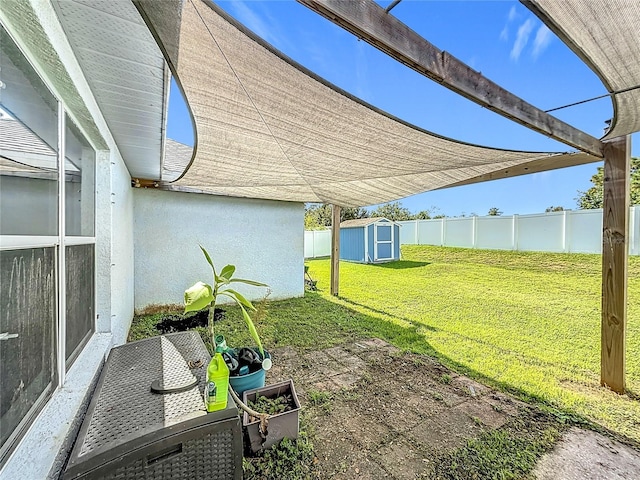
[[508, 453], [288, 460], [528, 323], [525, 322], [322, 400]]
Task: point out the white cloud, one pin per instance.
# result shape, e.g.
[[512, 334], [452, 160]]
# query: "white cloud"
[[541, 176], [504, 34], [521, 38], [542, 40], [511, 16], [260, 23], [249, 19]]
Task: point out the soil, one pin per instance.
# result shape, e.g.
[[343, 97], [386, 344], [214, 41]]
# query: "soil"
[[180, 323], [389, 414], [377, 413]]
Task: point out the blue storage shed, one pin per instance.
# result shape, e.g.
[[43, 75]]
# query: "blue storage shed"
[[370, 240]]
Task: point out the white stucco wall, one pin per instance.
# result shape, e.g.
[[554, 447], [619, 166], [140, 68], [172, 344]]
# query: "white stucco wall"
[[122, 257], [103, 241], [262, 238]]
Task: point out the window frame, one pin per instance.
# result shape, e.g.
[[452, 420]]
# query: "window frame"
[[58, 242]]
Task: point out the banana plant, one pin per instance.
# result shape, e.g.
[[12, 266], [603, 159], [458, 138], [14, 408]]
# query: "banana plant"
[[202, 295]]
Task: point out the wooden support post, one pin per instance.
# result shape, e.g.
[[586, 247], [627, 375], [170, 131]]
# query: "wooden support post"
[[615, 250], [335, 250]]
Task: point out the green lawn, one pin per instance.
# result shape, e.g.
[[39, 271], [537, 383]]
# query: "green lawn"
[[528, 323]]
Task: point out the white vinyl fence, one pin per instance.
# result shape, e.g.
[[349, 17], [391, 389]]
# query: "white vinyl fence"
[[317, 243], [570, 231]]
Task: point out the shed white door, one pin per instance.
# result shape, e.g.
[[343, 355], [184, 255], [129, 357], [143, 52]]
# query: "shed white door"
[[383, 241]]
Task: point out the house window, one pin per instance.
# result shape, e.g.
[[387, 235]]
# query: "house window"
[[28, 148], [79, 161], [80, 172], [27, 346], [47, 243]]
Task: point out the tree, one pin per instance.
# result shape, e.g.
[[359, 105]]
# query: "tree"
[[593, 197], [426, 214], [554, 209], [317, 216], [311, 222], [353, 213], [422, 215], [494, 212], [393, 211]]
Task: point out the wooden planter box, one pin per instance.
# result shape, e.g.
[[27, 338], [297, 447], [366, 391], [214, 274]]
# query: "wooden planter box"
[[282, 425]]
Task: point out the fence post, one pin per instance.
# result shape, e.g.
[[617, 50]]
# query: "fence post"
[[514, 232], [415, 233], [636, 229], [443, 229], [474, 226], [565, 232], [632, 231]]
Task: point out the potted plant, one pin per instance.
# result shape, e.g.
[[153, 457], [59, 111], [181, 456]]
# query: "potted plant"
[[279, 417], [204, 296]]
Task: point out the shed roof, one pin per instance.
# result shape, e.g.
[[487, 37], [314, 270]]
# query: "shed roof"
[[22, 151], [20, 144], [363, 222]]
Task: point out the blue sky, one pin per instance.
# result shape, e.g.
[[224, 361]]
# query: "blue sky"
[[501, 39]]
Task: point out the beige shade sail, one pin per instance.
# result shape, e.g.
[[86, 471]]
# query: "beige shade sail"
[[266, 127], [606, 35]]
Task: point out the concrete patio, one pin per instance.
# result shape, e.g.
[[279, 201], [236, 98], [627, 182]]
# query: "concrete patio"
[[396, 415]]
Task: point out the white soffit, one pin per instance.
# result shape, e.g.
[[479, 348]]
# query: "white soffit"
[[606, 35], [268, 128], [125, 69]]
